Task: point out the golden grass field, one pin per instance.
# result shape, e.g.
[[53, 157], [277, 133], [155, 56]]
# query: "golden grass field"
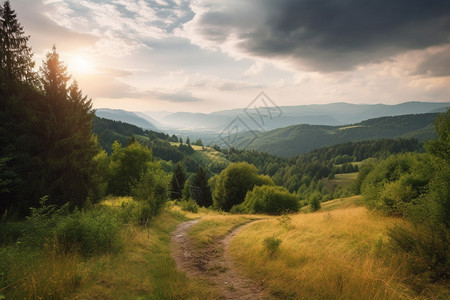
[[341, 253]]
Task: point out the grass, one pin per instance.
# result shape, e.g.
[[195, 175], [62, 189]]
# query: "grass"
[[210, 155], [340, 252], [335, 254], [195, 147], [213, 227], [143, 269], [345, 179]]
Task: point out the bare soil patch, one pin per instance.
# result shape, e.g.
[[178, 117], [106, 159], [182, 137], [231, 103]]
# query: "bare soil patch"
[[212, 262]]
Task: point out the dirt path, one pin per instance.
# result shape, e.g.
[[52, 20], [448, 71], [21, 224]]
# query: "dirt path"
[[213, 264]]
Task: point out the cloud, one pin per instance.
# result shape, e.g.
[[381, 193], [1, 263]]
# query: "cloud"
[[45, 32], [435, 65], [323, 36], [174, 97]]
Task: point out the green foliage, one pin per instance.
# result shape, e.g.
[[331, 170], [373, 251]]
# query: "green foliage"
[[417, 187], [364, 170], [189, 205], [296, 139], [441, 147], [272, 245], [16, 63], [126, 167], [177, 182], [151, 189], [396, 181], [199, 189], [234, 182], [40, 225], [314, 201], [273, 200], [89, 233]]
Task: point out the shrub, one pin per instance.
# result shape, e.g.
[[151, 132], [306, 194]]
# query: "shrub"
[[272, 245], [189, 205], [91, 232], [272, 200], [397, 181], [151, 189], [40, 225], [314, 201]]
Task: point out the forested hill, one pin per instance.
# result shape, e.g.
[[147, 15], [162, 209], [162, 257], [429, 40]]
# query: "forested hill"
[[299, 139], [109, 131]]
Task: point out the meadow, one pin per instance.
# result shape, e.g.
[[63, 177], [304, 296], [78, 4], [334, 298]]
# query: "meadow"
[[340, 252]]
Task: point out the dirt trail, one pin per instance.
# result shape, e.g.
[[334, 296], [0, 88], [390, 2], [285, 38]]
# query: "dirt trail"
[[213, 264]]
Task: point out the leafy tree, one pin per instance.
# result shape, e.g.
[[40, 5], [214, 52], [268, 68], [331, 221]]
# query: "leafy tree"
[[441, 147], [126, 167], [177, 182], [152, 189], [200, 190], [397, 181], [234, 182], [273, 200], [314, 201]]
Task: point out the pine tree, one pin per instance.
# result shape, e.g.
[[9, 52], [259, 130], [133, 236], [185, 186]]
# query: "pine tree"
[[16, 62], [68, 146], [200, 190], [177, 182]]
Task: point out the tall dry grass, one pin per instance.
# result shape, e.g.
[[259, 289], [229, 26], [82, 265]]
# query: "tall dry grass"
[[339, 254], [142, 269]]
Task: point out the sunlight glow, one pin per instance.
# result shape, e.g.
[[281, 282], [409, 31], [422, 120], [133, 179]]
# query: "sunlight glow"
[[81, 65]]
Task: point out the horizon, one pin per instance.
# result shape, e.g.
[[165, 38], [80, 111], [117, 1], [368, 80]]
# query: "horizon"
[[203, 56], [281, 106]]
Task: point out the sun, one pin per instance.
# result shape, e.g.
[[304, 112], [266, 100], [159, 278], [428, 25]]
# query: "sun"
[[81, 65]]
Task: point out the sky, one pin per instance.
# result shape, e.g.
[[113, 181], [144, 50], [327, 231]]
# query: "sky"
[[210, 55]]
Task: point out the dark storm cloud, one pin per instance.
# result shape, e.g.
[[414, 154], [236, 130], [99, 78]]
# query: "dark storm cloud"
[[330, 35]]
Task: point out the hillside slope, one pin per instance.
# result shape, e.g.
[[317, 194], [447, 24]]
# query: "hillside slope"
[[299, 139], [333, 114], [137, 119]]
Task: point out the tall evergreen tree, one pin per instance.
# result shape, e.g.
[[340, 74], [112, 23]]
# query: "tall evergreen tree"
[[15, 56], [177, 182], [200, 190], [67, 145], [18, 103]]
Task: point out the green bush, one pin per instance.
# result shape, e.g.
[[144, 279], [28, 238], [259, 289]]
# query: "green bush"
[[272, 245], [397, 181], [92, 232], [417, 187], [233, 183], [151, 190], [273, 200], [314, 201], [10, 232], [189, 205], [39, 226]]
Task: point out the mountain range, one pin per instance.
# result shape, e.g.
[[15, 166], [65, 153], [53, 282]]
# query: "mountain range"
[[262, 118]]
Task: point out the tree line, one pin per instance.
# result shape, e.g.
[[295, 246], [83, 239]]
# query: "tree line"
[[47, 146]]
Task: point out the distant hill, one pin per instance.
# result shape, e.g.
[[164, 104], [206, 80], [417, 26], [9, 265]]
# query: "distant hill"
[[135, 118], [299, 139], [334, 114], [109, 131]]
